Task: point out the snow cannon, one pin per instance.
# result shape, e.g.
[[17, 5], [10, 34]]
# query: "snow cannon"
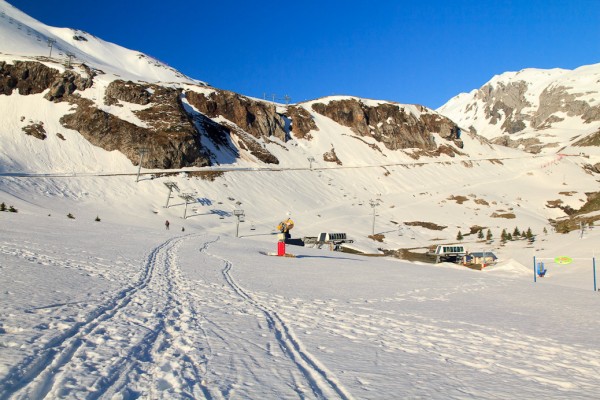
[[285, 226]]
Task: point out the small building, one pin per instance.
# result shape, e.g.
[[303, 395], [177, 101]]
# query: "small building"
[[334, 240], [481, 257], [450, 253]]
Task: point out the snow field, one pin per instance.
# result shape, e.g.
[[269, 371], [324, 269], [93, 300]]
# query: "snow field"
[[124, 311]]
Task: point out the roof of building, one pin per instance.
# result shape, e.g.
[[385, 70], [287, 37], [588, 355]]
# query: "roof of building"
[[482, 253]]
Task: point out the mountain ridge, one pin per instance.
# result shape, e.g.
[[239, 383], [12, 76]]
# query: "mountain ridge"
[[80, 135], [533, 109]]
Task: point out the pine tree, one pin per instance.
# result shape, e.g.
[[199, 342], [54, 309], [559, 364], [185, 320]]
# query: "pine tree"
[[516, 232], [459, 236], [480, 234], [2, 207], [503, 236], [509, 236], [12, 209], [529, 235], [488, 236], [545, 231]]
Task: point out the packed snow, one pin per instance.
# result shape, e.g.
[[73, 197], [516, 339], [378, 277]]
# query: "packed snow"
[[101, 309], [99, 300]]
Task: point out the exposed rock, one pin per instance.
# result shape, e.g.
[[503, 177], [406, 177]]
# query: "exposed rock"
[[592, 168], [388, 123], [26, 76], [172, 141], [249, 143], [592, 139], [330, 156], [36, 130], [302, 122], [428, 225], [503, 215], [126, 91], [67, 83], [530, 145], [260, 119], [557, 99], [505, 102]]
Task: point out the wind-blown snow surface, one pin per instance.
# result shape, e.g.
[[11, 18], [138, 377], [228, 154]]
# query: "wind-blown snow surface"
[[98, 309]]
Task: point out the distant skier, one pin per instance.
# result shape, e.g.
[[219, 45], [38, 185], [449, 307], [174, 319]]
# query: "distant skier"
[[167, 224], [182, 229]]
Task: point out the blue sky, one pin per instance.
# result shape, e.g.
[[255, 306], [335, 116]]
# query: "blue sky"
[[405, 51]]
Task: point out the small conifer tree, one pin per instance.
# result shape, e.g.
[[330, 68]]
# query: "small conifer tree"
[[545, 231], [97, 219], [489, 236], [12, 209], [480, 234], [2, 207], [516, 232], [459, 236], [529, 233], [503, 236]]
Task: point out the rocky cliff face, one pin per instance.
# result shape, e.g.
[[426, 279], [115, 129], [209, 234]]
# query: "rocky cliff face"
[[258, 118], [535, 109], [175, 126], [389, 123], [169, 136], [301, 122], [26, 77]]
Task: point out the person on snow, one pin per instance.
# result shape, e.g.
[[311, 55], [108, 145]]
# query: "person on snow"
[[167, 224]]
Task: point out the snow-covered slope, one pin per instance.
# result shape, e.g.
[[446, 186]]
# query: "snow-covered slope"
[[456, 185], [105, 310], [24, 37], [537, 110], [98, 300]]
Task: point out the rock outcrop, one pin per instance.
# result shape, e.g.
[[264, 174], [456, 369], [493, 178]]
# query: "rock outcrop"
[[126, 91], [69, 82], [389, 123], [169, 144], [260, 119], [26, 77], [331, 156], [172, 122], [302, 122], [505, 103], [36, 130]]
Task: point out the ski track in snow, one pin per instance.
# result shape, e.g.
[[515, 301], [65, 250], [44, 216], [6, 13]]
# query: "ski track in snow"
[[133, 344], [168, 335], [321, 381]]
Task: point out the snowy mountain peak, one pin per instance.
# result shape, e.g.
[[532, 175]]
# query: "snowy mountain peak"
[[535, 109]]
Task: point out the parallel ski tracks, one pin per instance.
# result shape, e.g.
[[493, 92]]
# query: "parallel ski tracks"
[[320, 380], [37, 375]]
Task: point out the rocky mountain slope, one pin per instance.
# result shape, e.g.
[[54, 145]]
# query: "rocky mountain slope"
[[536, 110], [123, 100], [78, 115]]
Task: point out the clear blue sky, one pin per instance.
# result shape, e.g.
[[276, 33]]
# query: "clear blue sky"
[[405, 51]]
